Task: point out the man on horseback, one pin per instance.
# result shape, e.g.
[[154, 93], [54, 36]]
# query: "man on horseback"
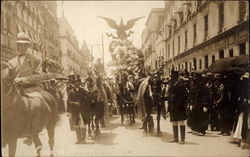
[[25, 70]]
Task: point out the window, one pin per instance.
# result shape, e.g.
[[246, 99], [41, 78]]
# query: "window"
[[242, 9], [179, 67], [170, 30], [185, 40], [199, 4], [194, 63], [168, 51], [221, 54], [206, 61], [179, 44], [175, 24], [190, 66], [186, 65], [206, 26], [242, 48], [194, 29], [231, 53], [173, 50], [213, 59], [221, 16], [181, 17], [188, 12], [200, 64]]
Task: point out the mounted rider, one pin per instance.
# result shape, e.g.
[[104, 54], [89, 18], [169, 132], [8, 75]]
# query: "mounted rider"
[[25, 70]]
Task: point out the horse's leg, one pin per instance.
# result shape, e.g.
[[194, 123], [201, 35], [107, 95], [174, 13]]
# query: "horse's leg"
[[122, 116], [89, 129], [97, 126], [130, 114], [51, 133], [159, 108], [12, 147], [92, 123], [38, 144]]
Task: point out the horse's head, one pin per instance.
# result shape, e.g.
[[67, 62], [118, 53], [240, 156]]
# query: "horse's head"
[[10, 92]]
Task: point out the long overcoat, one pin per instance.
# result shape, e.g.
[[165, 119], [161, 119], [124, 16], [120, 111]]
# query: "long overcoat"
[[177, 96]]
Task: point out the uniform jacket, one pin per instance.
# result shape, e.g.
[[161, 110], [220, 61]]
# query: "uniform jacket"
[[81, 96], [177, 96], [30, 71]]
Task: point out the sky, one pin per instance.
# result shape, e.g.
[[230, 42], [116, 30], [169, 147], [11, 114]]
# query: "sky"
[[83, 17]]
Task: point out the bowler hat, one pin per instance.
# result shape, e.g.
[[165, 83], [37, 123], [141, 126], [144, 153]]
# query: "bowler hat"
[[23, 38], [73, 78]]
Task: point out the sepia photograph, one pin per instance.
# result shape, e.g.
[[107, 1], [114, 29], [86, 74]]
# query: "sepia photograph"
[[109, 78]]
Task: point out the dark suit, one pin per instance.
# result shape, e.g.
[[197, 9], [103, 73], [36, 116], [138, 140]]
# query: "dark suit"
[[82, 97], [177, 95]]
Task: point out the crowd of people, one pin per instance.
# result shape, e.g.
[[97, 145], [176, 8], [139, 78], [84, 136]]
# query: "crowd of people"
[[220, 101]]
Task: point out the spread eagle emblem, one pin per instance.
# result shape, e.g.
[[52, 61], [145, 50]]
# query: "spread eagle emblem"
[[121, 28]]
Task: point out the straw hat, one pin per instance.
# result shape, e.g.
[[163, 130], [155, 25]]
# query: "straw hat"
[[23, 38]]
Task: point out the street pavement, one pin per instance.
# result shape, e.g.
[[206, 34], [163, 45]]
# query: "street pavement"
[[118, 140]]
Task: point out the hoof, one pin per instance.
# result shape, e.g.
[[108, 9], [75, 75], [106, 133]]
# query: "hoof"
[[38, 151]]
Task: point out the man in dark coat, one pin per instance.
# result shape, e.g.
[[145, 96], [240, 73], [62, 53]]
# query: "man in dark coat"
[[79, 104], [225, 107], [177, 96], [200, 107]]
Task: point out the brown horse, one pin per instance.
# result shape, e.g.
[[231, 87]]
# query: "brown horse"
[[15, 116]]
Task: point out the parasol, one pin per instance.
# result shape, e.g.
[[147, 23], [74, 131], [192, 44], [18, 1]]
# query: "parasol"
[[230, 64]]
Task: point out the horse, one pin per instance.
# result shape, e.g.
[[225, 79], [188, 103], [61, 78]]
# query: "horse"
[[126, 101], [146, 108], [15, 115], [99, 99]]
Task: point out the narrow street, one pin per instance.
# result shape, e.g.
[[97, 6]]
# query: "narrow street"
[[117, 140]]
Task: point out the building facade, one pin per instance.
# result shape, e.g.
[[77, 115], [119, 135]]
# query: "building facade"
[[73, 59], [85, 54], [199, 32], [52, 48], [150, 35], [31, 17], [196, 33]]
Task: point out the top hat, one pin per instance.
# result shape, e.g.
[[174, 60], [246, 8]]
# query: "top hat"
[[174, 73], [73, 78], [23, 38]]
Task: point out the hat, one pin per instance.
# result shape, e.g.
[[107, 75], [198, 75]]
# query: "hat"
[[73, 78], [174, 73], [23, 38]]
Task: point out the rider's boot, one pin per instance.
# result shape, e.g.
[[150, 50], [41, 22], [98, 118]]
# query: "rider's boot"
[[182, 128], [175, 134], [151, 124]]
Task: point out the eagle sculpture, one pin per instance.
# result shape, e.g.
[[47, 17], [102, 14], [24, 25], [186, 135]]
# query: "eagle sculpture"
[[121, 28]]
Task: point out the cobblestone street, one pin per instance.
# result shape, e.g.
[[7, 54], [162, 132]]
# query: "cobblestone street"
[[117, 140]]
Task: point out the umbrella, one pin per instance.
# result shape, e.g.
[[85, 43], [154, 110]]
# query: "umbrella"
[[230, 64]]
